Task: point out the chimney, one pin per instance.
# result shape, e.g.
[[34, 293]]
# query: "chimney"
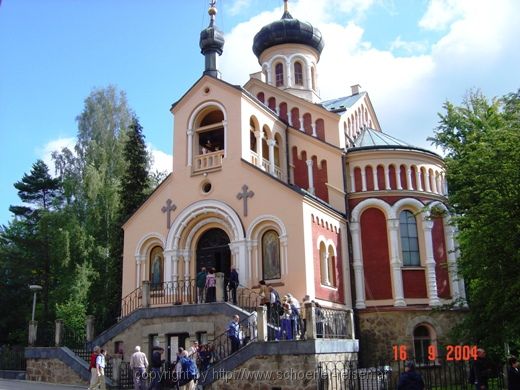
[[355, 89]]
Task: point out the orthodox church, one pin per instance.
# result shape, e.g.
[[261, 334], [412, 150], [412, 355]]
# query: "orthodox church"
[[310, 196]]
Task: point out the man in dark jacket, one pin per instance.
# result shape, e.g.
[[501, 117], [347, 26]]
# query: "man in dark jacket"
[[233, 283], [481, 370], [156, 363], [410, 379]]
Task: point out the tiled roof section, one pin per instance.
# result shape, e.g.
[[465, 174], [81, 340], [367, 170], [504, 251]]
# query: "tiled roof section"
[[342, 103], [370, 137]]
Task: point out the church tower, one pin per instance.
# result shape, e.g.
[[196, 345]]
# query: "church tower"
[[211, 44], [288, 51]]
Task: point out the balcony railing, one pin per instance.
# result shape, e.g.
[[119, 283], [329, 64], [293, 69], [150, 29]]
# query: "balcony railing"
[[208, 161], [266, 165]]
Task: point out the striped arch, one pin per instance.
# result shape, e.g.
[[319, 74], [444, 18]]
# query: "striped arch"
[[410, 202], [378, 203], [147, 242]]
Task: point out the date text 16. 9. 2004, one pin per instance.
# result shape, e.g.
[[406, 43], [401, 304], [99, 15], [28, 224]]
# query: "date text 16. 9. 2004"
[[453, 352]]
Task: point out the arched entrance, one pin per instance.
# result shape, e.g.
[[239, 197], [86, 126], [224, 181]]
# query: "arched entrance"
[[213, 251]]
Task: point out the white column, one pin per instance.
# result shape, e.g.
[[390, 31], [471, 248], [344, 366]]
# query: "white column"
[[452, 260], [418, 179], [398, 177], [271, 143], [427, 181], [139, 260], [269, 77], [289, 116], [409, 179], [363, 179], [359, 278], [387, 178], [438, 182], [189, 133], [395, 262], [374, 174], [251, 264], [259, 150], [224, 123], [431, 279], [186, 257], [239, 252], [168, 260], [352, 180], [314, 134], [175, 265], [301, 124], [311, 177], [289, 74], [284, 260]]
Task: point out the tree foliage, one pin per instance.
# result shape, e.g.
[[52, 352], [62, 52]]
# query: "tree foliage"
[[481, 139], [67, 233]]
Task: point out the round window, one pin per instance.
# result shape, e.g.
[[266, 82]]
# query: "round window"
[[206, 187]]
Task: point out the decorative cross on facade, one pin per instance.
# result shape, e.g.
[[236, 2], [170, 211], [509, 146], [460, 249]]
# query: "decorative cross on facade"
[[168, 209], [244, 195]]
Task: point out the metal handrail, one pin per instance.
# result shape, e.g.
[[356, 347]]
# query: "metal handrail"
[[131, 302], [220, 347]]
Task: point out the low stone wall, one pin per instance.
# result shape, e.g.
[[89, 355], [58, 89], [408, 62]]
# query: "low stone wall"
[[52, 371], [381, 329], [287, 365]]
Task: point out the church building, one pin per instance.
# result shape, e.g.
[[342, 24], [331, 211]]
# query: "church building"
[[309, 195]]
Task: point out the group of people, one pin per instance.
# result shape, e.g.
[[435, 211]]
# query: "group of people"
[[207, 285], [286, 311]]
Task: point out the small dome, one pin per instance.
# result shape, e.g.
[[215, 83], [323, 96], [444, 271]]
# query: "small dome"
[[287, 30], [211, 39]]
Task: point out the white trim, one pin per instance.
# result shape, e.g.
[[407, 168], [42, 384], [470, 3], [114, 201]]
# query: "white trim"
[[140, 247], [204, 207], [385, 207]]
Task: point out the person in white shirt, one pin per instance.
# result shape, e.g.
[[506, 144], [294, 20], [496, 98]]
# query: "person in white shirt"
[[138, 363], [100, 368]]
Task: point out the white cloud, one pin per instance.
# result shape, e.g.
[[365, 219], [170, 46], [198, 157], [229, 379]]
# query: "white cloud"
[[477, 49], [409, 47], [162, 162], [237, 6], [441, 13], [56, 145]]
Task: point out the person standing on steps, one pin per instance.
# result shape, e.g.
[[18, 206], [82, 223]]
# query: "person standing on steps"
[[211, 286], [200, 281], [233, 332], [233, 284], [92, 367]]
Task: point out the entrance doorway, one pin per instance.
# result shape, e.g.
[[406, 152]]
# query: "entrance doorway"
[[175, 341], [213, 251]]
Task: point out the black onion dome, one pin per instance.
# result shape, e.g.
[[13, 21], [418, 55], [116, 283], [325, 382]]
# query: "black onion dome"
[[211, 39], [287, 30]]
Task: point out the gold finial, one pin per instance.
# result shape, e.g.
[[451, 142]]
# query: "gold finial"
[[285, 5], [212, 11]]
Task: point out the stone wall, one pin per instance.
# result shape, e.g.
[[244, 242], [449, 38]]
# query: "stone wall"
[[287, 372], [52, 371], [139, 332], [381, 329]]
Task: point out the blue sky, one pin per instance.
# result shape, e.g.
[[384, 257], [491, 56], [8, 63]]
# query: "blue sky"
[[410, 55]]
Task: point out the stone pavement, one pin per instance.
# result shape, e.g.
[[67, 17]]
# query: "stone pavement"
[[28, 385]]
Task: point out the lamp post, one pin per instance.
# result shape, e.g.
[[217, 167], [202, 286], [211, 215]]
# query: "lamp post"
[[34, 288]]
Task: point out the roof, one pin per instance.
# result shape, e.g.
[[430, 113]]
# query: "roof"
[[342, 103], [287, 30], [374, 139], [371, 137]]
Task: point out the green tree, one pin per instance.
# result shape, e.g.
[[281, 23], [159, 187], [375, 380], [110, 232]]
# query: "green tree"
[[40, 193], [92, 175], [481, 139], [135, 183]]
